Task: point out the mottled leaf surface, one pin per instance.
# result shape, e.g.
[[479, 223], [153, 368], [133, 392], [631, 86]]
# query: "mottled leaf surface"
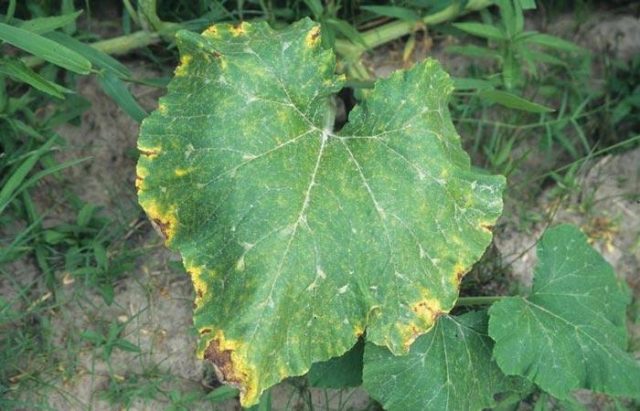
[[570, 332], [449, 368], [299, 238]]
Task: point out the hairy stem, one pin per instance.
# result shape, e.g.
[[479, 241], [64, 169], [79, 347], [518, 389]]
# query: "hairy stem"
[[396, 29], [349, 51]]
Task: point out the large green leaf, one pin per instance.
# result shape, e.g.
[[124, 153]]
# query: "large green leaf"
[[570, 332], [449, 368], [299, 238]]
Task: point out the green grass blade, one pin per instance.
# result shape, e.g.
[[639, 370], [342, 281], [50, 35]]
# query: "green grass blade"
[[45, 49], [20, 72], [461, 83], [43, 25], [550, 41], [118, 91], [95, 56], [17, 188], [222, 393], [14, 183], [512, 101], [67, 7], [482, 30], [315, 6]]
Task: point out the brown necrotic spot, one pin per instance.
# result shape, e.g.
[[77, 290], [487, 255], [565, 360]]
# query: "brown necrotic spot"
[[312, 37], [139, 181], [240, 29], [487, 227], [149, 153], [459, 271], [222, 362], [204, 331], [212, 31], [162, 227]]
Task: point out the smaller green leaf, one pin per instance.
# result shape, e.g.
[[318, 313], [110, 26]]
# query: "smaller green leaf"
[[45, 49], [482, 30], [512, 101], [43, 25], [449, 368], [570, 332], [339, 372], [20, 72], [118, 91], [397, 12]]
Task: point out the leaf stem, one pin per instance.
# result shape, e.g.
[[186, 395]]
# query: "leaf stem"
[[349, 51], [396, 29], [466, 301]]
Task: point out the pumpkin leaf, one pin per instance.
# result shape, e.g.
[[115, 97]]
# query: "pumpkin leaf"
[[298, 237], [449, 368], [570, 332], [339, 372]]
